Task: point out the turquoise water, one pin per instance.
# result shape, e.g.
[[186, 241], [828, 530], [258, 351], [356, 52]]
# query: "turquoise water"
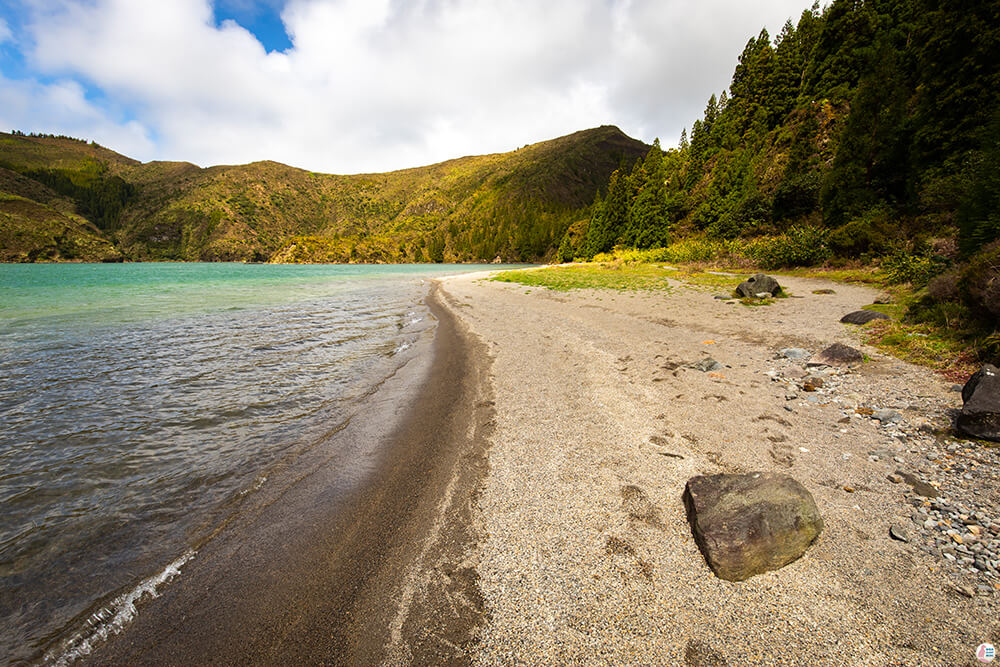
[[140, 404]]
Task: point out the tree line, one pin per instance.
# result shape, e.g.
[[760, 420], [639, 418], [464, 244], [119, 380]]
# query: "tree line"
[[874, 121]]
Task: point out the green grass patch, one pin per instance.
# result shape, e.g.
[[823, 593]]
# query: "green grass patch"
[[894, 310], [708, 280], [870, 276], [614, 276], [926, 345]]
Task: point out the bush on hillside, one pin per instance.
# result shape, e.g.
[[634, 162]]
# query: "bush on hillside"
[[862, 236], [916, 268], [980, 284], [800, 246]]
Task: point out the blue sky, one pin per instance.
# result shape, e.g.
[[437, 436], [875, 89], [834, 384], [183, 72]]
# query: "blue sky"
[[351, 86]]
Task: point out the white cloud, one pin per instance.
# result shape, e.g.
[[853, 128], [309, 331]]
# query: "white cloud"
[[5, 33], [371, 85], [62, 108]]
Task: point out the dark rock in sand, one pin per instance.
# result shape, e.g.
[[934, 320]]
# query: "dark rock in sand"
[[837, 354], [980, 415], [919, 487], [750, 524], [897, 532], [706, 365], [759, 284], [702, 654], [863, 317]]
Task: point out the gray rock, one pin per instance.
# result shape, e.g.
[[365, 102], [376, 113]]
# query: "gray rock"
[[706, 365], [759, 284], [750, 524], [887, 416], [980, 415], [897, 532], [837, 354], [763, 295], [863, 317]]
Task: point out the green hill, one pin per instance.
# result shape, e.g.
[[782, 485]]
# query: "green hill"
[[64, 199]]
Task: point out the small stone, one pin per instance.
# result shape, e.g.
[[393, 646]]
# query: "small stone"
[[966, 591], [894, 478], [863, 317], [975, 530], [706, 365], [930, 524], [849, 489], [887, 416], [837, 354], [956, 538], [897, 532], [793, 353]]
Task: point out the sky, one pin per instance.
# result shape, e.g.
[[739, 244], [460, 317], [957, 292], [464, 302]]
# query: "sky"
[[352, 86]]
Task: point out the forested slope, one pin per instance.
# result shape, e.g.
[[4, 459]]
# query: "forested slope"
[[515, 205]]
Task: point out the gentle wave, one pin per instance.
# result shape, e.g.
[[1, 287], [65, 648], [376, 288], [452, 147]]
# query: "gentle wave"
[[142, 404], [112, 619]]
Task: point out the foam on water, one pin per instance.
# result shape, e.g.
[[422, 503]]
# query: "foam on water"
[[112, 619]]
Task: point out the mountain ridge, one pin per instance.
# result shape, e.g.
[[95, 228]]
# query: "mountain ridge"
[[514, 205]]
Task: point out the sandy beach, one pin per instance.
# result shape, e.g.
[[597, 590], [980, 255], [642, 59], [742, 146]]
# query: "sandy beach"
[[524, 506], [583, 551]]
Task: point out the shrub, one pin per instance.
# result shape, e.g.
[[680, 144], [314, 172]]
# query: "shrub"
[[799, 246], [858, 237], [914, 268], [980, 284]]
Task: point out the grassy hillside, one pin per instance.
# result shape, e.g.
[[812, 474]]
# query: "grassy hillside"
[[515, 205]]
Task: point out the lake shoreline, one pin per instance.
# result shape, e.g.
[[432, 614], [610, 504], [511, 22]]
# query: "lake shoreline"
[[321, 572]]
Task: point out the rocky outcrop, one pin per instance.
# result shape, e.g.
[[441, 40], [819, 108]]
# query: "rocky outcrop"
[[863, 317], [749, 524], [980, 415], [759, 284], [837, 354]]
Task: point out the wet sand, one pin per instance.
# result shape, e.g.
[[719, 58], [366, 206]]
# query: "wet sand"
[[358, 554]]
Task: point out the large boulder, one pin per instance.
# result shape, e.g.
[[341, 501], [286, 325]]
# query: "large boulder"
[[980, 415], [863, 317], [759, 284], [837, 354], [750, 524]]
